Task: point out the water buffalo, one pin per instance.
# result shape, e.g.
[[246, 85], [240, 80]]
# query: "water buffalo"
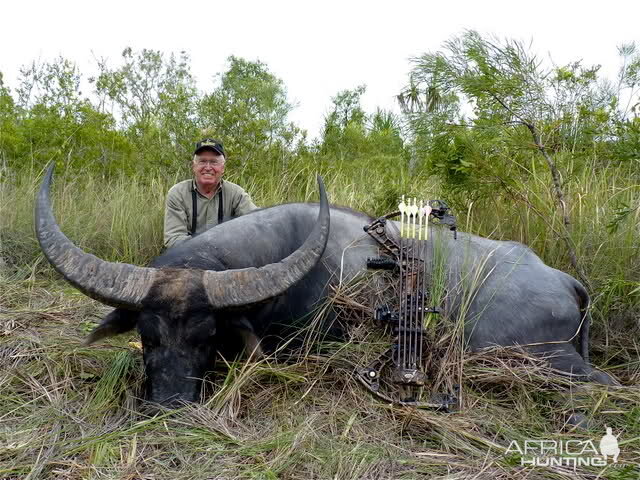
[[249, 282]]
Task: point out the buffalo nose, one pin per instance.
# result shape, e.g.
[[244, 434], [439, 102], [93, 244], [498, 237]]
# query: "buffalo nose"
[[175, 400], [154, 406]]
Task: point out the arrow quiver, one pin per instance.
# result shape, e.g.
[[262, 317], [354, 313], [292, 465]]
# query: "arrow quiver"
[[408, 319]]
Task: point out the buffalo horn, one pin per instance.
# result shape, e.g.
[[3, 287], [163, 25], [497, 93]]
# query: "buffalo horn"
[[116, 284], [234, 288]]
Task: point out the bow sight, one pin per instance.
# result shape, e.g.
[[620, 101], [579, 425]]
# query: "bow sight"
[[410, 318]]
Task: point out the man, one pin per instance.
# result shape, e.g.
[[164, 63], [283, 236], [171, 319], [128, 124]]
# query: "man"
[[194, 206]]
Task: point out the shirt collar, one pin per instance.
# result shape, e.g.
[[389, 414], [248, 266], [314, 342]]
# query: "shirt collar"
[[194, 186]]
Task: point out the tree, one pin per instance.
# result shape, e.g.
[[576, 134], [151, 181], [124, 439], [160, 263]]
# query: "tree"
[[385, 133], [9, 138], [154, 97], [53, 121], [54, 85], [344, 131], [517, 107], [248, 109]]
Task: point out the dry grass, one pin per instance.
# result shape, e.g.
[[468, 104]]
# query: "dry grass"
[[71, 412]]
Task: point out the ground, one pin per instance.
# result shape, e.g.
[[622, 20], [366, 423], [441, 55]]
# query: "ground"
[[68, 411]]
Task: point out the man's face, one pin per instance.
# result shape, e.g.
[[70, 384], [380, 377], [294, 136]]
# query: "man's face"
[[208, 168]]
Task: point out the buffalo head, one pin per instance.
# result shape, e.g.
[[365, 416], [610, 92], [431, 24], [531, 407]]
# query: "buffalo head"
[[182, 314]]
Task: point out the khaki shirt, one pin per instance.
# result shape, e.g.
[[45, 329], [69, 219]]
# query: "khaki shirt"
[[179, 209]]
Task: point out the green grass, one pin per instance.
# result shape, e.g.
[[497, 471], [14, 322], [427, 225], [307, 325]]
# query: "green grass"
[[120, 218]]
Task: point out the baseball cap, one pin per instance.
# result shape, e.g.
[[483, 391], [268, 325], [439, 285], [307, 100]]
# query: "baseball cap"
[[211, 144]]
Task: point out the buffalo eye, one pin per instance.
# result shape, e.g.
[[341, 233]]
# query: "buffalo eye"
[[151, 331], [202, 333]]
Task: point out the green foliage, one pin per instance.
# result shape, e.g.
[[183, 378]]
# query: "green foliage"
[[146, 115], [468, 103], [52, 121], [9, 138], [54, 85], [344, 134], [155, 98], [351, 134], [486, 116], [249, 109], [346, 108], [385, 133]]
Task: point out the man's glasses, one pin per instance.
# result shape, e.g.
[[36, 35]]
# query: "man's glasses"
[[213, 163]]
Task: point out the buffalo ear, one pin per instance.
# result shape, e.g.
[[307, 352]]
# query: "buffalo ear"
[[117, 322]]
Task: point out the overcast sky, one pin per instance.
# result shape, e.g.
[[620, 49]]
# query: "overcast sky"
[[316, 48]]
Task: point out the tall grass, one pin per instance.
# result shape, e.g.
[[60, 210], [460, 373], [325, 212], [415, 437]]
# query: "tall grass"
[[527, 214], [121, 218], [69, 411]]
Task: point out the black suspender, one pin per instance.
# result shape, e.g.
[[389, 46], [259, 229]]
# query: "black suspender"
[[194, 210], [220, 218], [194, 204]]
